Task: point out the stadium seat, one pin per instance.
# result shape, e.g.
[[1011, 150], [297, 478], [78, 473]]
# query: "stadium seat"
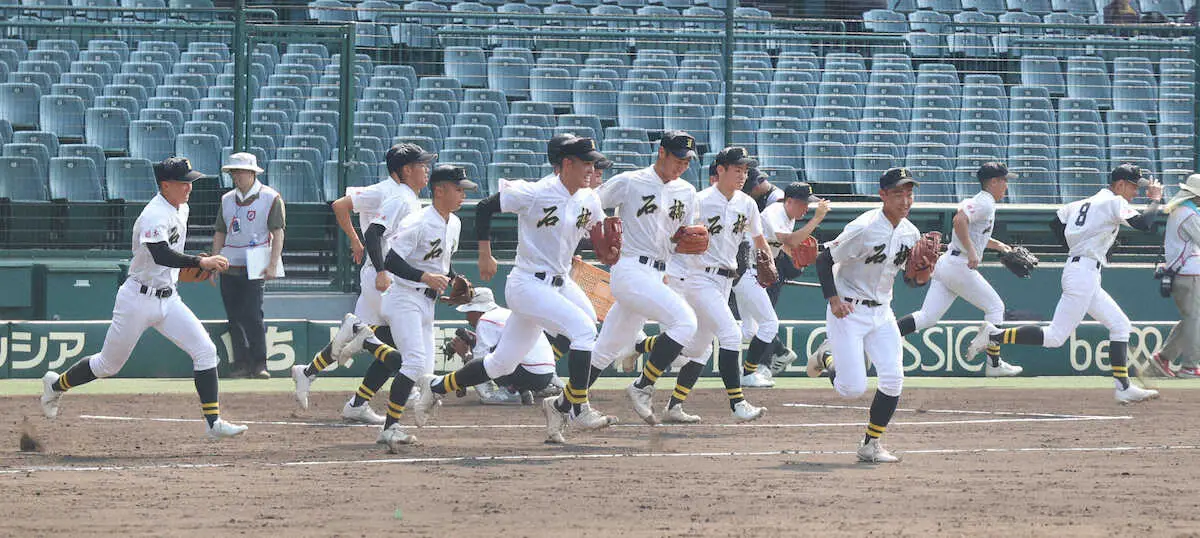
[[203, 150], [295, 180], [937, 186], [63, 115], [39, 153], [551, 85], [358, 174], [510, 75], [595, 98], [885, 20], [75, 179], [24, 180], [153, 140], [20, 104]]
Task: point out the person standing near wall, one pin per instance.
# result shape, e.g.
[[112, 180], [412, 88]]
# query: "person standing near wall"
[[249, 232], [1182, 252]]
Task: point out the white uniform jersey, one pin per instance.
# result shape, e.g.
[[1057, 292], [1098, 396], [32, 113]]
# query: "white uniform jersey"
[[1093, 223], [775, 195], [159, 222], [1181, 245], [394, 210], [981, 219], [427, 242], [728, 221], [539, 360], [550, 222], [650, 210], [868, 254], [775, 220], [367, 201]]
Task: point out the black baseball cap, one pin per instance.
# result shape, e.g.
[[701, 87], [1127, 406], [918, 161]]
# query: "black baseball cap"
[[554, 146], [402, 154], [1128, 172], [896, 177], [176, 169], [800, 191], [735, 155], [993, 169], [449, 172], [680, 144], [604, 164], [581, 148], [754, 176]]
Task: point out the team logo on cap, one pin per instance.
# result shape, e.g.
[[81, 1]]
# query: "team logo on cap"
[[591, 144], [187, 163], [689, 143], [904, 174]]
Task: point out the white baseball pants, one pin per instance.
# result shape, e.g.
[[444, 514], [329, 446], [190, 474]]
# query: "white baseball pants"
[[409, 314], [640, 295], [134, 312], [953, 279], [1082, 295], [754, 306], [538, 305], [871, 331], [369, 306]]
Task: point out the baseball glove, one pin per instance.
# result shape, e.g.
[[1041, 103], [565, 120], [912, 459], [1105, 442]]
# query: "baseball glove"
[[765, 265], [1019, 260], [691, 239], [922, 258], [195, 274], [461, 291], [806, 254], [606, 240]]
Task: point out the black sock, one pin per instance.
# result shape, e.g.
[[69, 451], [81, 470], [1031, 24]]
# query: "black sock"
[[397, 398], [882, 409], [727, 363], [754, 355], [559, 344], [579, 374], [377, 374], [79, 374], [593, 375], [384, 334], [907, 325], [777, 347], [1027, 335], [646, 345], [688, 375], [472, 373], [1117, 355], [665, 351], [319, 362], [993, 354], [206, 388]]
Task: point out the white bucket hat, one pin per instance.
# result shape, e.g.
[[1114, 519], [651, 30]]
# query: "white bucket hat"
[[483, 301], [242, 161], [1187, 190]]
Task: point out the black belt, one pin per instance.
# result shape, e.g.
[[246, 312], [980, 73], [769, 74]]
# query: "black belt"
[[161, 293], [955, 252], [1077, 258], [727, 273], [864, 302], [646, 260], [555, 280], [430, 293]]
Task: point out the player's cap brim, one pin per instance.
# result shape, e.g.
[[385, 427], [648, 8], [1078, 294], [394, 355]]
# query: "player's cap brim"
[[684, 153], [481, 307], [188, 177]]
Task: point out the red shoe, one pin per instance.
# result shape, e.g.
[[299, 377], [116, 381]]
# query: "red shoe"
[[1189, 372], [1162, 365]]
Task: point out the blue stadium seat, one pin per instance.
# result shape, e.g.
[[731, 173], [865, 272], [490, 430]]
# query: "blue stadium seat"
[[295, 180], [1130, 95], [20, 103], [307, 141], [310, 155], [596, 98], [24, 180], [174, 117], [640, 110], [63, 115], [214, 128], [422, 130], [87, 151], [551, 85], [468, 143], [153, 140], [937, 185], [108, 128], [75, 179], [510, 75], [925, 45], [827, 162], [885, 20], [508, 170], [203, 150], [358, 174], [38, 152]]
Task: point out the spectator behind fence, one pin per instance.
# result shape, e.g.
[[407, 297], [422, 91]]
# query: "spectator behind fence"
[[1120, 12], [249, 232]]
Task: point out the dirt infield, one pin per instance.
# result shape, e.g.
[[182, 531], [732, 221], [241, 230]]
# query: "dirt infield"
[[1077, 464]]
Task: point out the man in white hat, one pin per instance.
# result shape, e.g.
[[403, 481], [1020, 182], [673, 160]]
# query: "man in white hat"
[[1182, 253], [250, 223], [533, 377]]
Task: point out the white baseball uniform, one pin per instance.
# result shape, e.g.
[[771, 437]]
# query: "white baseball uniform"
[[148, 298], [754, 303], [371, 204], [539, 360], [867, 255], [427, 242], [951, 276], [539, 290], [1092, 226], [651, 210]]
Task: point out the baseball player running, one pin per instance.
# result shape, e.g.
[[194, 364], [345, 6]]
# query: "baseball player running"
[[707, 278], [654, 206], [857, 271], [1088, 228], [760, 322], [553, 214], [955, 274], [149, 298], [382, 208]]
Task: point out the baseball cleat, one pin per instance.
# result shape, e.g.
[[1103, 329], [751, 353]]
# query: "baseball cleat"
[[757, 380], [343, 336], [362, 414], [556, 421], [362, 332], [744, 412], [1189, 372], [981, 340], [628, 363], [425, 404], [590, 419], [780, 362], [393, 436], [676, 415], [1162, 366], [303, 384], [816, 361], [873, 452], [643, 402], [50, 397], [1001, 369], [1134, 393], [223, 430], [490, 394]]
